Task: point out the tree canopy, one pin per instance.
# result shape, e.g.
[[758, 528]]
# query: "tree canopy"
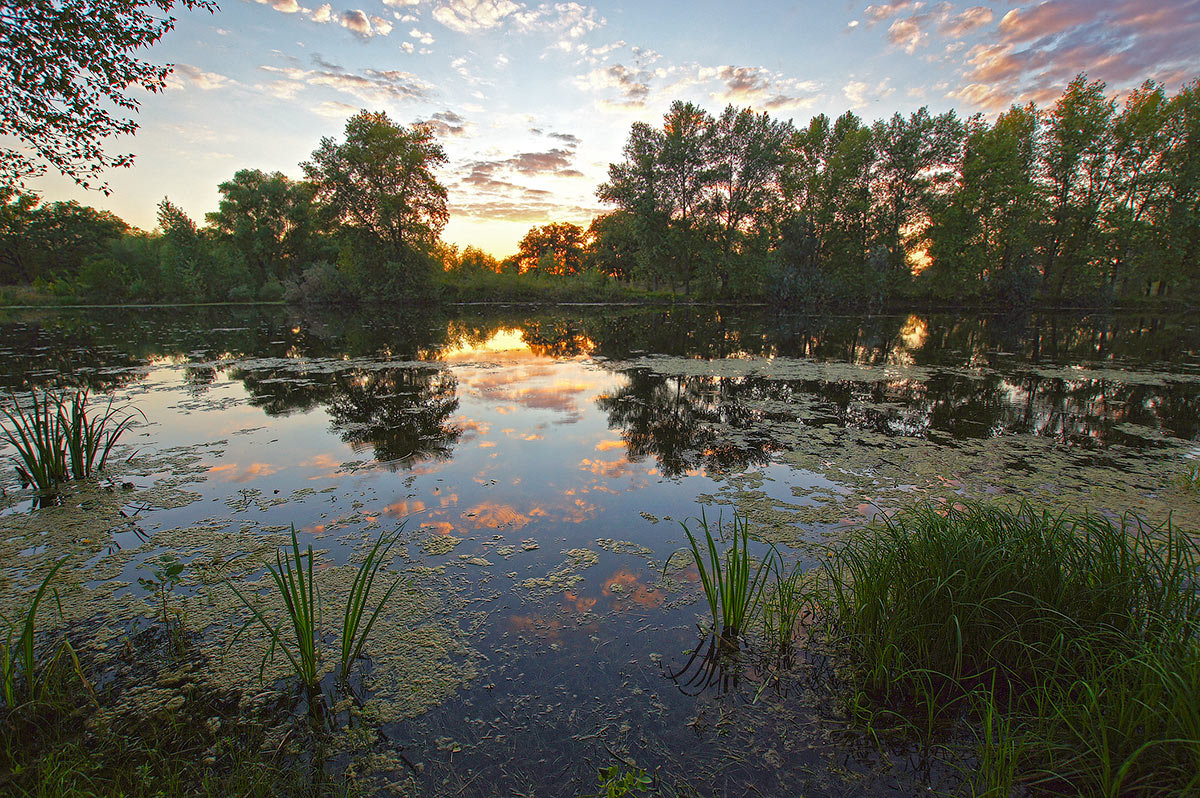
[[66, 67]]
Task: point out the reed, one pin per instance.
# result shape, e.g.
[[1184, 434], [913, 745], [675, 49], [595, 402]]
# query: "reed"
[[784, 609], [298, 634], [293, 578], [1081, 632], [733, 586], [59, 436], [38, 437], [354, 634]]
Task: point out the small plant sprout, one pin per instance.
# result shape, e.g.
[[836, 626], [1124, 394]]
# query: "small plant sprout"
[[165, 574]]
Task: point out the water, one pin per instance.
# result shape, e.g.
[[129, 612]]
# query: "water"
[[542, 461]]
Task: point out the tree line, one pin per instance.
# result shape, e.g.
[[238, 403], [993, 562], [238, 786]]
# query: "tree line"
[[365, 220], [1089, 201], [1086, 200]]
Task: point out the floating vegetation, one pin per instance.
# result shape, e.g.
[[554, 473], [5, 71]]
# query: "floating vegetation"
[[1076, 639]]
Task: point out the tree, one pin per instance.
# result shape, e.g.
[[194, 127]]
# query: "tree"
[[380, 185], [270, 219], [555, 248], [17, 211], [66, 67]]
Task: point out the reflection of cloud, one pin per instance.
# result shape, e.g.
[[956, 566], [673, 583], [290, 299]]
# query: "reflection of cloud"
[[442, 528], [403, 509], [329, 466], [604, 446], [612, 469], [494, 516], [232, 472], [580, 604], [627, 585]]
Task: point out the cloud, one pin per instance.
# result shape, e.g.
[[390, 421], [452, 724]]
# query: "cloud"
[[445, 124], [471, 16], [322, 15], [364, 26], [885, 11], [570, 20], [370, 85], [283, 6], [185, 75], [906, 34], [632, 84], [965, 22], [1040, 47], [423, 38], [335, 110], [860, 93]]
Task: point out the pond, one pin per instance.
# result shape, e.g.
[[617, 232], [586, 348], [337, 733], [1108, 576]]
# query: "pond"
[[541, 462]]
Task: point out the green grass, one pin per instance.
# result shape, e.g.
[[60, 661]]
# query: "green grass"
[[60, 436], [298, 635], [293, 578], [733, 585], [788, 603], [24, 671], [1074, 642]]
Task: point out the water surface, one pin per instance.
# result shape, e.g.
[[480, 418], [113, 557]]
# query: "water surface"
[[541, 461]]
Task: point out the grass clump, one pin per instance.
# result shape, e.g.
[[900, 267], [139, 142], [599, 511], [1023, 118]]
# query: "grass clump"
[[24, 671], [733, 585], [298, 635], [1074, 642], [60, 436]]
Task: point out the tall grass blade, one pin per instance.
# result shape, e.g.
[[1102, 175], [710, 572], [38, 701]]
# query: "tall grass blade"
[[358, 601]]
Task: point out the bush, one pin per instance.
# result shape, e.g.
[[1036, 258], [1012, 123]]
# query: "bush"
[[271, 292], [319, 284], [241, 293]]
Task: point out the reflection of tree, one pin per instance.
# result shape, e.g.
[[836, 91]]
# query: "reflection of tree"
[[687, 423], [403, 413]]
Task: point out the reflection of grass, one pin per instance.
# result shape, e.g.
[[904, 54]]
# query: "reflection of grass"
[[1074, 639]]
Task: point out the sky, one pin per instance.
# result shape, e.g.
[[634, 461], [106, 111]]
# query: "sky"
[[532, 102]]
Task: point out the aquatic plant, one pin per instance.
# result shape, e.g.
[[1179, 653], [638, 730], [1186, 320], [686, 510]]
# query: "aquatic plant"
[[21, 666], [164, 576], [38, 437], [293, 577], [784, 608], [90, 437], [59, 437], [1081, 632], [357, 603], [617, 783], [733, 586]]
